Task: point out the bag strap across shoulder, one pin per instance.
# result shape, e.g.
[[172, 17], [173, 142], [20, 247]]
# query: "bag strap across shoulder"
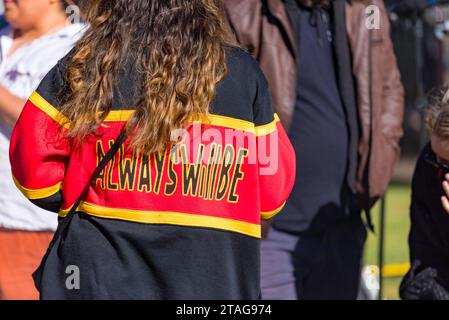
[[64, 223]]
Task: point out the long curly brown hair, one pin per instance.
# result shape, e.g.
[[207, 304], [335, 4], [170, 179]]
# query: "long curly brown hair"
[[178, 47]]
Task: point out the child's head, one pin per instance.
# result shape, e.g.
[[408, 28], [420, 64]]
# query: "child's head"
[[436, 119]]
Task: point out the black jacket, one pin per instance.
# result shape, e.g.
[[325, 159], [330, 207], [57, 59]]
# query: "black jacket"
[[429, 234]]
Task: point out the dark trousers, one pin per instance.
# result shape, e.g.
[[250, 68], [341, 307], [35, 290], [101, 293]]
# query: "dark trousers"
[[325, 266]]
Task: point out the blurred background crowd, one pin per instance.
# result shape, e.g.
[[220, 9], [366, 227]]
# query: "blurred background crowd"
[[33, 39]]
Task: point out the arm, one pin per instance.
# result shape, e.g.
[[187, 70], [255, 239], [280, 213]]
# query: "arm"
[[427, 241], [276, 157], [277, 170], [422, 280], [393, 93], [38, 151], [10, 107]]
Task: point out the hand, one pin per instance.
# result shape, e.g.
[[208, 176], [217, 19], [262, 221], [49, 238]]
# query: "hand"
[[422, 285], [417, 285], [445, 198]]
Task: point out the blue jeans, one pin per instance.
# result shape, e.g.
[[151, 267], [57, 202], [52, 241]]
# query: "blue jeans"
[[325, 266]]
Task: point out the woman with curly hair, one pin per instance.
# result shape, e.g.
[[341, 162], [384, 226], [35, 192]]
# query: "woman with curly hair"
[[155, 141]]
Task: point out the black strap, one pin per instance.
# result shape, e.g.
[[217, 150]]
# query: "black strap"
[[108, 157]]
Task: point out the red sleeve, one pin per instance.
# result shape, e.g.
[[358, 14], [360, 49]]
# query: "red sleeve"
[[277, 167], [38, 152]]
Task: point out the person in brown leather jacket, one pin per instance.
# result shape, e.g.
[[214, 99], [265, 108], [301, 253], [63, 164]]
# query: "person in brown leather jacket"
[[336, 87]]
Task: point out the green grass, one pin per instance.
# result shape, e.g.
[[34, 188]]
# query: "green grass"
[[397, 225]]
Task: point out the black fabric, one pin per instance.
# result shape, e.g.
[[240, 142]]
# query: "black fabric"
[[244, 85], [127, 260], [52, 203], [429, 234], [319, 130]]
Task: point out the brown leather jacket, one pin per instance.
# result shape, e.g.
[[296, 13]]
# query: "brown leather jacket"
[[380, 94]]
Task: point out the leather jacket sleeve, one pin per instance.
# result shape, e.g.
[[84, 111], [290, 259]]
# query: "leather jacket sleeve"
[[393, 93]]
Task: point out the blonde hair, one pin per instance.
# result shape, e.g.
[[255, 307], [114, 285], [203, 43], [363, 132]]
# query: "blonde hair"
[[436, 113]]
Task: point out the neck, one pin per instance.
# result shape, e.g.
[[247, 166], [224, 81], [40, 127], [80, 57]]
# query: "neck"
[[51, 22]]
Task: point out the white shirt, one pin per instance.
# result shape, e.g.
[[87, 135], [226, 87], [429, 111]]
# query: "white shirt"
[[20, 74]]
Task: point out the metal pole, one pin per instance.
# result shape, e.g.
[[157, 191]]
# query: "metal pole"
[[419, 51], [381, 245]]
